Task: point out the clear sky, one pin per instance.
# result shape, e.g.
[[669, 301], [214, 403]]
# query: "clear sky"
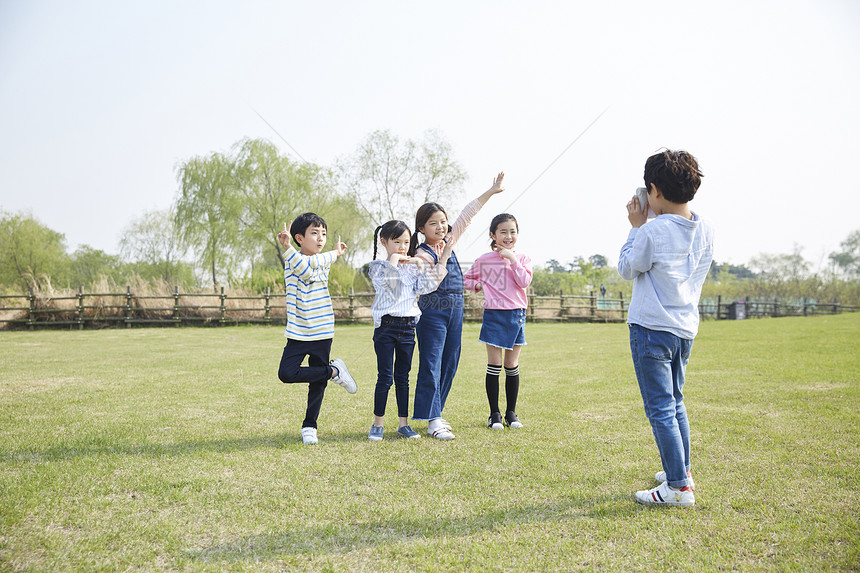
[[99, 102]]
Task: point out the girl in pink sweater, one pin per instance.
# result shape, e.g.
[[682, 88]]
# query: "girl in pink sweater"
[[503, 275]]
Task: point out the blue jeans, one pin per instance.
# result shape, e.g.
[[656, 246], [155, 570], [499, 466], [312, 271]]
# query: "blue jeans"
[[660, 359], [440, 331], [394, 342]]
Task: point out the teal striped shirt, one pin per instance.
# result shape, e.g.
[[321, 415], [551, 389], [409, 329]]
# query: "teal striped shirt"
[[309, 312]]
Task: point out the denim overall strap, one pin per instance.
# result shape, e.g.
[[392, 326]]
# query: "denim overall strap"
[[431, 252], [453, 283]]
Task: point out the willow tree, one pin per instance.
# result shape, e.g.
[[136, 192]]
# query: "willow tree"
[[272, 189], [29, 251], [206, 212]]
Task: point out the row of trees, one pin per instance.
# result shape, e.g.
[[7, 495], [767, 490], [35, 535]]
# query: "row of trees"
[[765, 276], [33, 255], [223, 224], [222, 227]]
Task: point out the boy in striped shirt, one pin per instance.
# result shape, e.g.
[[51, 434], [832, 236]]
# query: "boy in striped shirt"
[[310, 318]]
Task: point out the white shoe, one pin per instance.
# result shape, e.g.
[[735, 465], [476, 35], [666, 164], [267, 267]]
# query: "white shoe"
[[445, 424], [440, 430], [442, 434], [342, 377], [661, 477], [309, 436], [665, 495]]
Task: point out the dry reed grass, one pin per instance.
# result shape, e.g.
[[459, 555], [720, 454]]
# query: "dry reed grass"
[[105, 303]]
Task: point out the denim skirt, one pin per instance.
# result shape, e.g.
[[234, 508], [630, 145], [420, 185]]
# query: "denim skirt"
[[504, 328]]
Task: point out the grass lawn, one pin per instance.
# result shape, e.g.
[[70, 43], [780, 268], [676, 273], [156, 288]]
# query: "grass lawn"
[[178, 449]]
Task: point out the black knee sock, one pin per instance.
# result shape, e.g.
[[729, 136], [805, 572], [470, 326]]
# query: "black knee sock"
[[492, 385], [512, 387]]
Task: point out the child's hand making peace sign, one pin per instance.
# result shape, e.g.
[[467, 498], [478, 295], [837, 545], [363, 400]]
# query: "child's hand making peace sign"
[[284, 236]]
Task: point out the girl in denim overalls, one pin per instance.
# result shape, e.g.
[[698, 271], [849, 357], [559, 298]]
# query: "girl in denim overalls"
[[441, 324]]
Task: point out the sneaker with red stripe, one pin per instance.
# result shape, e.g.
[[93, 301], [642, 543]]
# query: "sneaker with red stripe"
[[661, 476], [665, 495]]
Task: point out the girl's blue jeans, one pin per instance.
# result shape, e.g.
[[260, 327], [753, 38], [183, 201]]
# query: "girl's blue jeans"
[[394, 342], [660, 359], [439, 331]]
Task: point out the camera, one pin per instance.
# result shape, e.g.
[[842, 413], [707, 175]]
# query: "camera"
[[642, 194]]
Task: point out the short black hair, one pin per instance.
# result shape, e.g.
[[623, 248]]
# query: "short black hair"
[[675, 173], [303, 221]]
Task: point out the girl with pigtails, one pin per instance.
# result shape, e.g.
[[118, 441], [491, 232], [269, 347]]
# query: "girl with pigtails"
[[441, 326], [398, 280]]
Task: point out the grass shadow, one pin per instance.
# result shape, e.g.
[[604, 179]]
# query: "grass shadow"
[[337, 538], [97, 446]]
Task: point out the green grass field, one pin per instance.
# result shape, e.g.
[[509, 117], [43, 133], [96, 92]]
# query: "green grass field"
[[178, 449]]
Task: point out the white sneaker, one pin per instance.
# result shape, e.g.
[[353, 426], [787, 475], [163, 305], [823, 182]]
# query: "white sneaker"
[[661, 477], [309, 436], [440, 430], [442, 434], [665, 495], [445, 424], [342, 377]]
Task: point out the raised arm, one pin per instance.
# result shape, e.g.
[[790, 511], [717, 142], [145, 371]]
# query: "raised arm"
[[636, 255], [496, 188], [307, 267], [472, 208]]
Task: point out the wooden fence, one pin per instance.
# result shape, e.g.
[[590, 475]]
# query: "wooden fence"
[[127, 309]]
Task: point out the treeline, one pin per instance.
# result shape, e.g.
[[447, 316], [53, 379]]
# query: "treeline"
[[787, 276], [222, 226], [221, 230]]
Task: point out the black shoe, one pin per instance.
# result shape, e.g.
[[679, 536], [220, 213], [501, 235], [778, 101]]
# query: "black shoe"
[[512, 420], [494, 422]]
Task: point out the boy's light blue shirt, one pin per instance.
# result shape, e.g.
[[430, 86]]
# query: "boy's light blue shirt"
[[667, 259]]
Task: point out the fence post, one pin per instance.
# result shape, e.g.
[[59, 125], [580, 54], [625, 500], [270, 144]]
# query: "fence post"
[[267, 318], [775, 306], [31, 299], [176, 319], [593, 305], [719, 303], [128, 307], [561, 305], [803, 301], [531, 309], [80, 308], [223, 309], [351, 306], [621, 298]]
